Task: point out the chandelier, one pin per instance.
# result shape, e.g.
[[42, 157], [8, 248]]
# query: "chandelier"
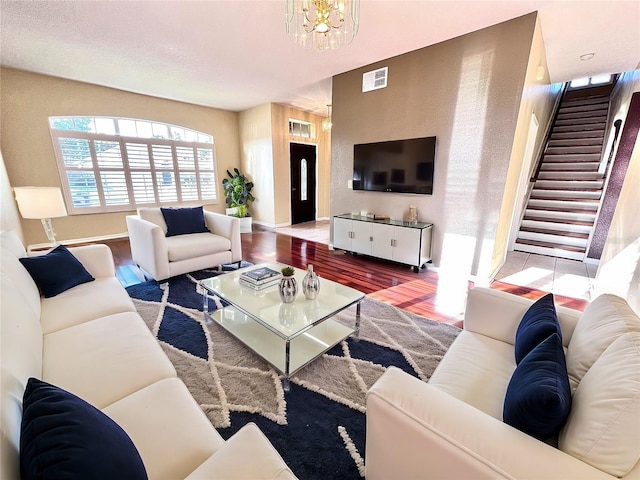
[[322, 24]]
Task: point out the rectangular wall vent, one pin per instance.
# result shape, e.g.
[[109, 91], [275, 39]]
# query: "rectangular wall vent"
[[375, 79]]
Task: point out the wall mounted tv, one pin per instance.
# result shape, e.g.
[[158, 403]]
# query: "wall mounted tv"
[[403, 166]]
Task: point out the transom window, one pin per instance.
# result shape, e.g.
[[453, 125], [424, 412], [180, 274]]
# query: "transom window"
[[118, 164], [298, 128]]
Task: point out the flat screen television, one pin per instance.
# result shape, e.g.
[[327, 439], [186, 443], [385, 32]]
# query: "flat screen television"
[[403, 166]]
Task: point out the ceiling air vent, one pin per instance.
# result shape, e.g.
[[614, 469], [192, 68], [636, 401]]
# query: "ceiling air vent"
[[375, 79]]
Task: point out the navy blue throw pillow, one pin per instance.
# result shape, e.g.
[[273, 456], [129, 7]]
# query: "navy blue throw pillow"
[[538, 399], [537, 324], [56, 271], [62, 436], [181, 221]]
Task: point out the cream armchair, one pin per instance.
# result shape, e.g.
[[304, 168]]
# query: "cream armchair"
[[162, 257]]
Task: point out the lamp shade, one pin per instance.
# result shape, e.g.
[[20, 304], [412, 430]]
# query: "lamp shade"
[[40, 202]]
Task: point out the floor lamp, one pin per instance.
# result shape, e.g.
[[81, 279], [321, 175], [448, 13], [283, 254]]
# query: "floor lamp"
[[42, 203]]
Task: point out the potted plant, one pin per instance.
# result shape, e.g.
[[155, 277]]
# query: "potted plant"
[[237, 191]]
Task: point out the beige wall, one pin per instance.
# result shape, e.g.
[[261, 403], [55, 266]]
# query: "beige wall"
[[257, 160], [9, 216], [538, 98], [467, 92], [265, 139], [280, 115], [28, 99]]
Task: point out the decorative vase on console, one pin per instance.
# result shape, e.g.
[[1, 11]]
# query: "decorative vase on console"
[[288, 288], [310, 284]]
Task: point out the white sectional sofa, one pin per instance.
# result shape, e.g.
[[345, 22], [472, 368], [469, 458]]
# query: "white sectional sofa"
[[90, 341], [452, 426]]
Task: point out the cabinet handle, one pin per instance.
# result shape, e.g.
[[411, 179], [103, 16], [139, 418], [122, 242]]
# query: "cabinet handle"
[[371, 239]]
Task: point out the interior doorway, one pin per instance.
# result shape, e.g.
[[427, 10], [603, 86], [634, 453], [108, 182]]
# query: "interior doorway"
[[303, 161]]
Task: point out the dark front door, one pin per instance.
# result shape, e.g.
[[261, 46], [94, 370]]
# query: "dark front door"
[[303, 182]]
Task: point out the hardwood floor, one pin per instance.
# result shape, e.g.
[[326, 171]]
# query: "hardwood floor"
[[425, 293]]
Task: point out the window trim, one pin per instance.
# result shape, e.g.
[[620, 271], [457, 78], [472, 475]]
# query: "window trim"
[[96, 169]]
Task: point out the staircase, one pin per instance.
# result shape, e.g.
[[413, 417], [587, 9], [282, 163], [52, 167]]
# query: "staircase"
[[564, 201]]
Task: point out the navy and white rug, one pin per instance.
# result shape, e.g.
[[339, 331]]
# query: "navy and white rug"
[[318, 427]]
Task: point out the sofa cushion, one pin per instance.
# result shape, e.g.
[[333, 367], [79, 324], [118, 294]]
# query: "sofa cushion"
[[538, 322], [65, 437], [105, 359], [56, 271], [86, 302], [182, 247], [605, 319], [602, 428], [476, 370], [182, 221], [170, 430], [538, 398]]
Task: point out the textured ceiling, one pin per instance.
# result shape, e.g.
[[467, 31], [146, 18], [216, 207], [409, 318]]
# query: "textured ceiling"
[[235, 54]]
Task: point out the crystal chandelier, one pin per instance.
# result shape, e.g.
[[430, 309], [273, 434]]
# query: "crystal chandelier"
[[322, 24]]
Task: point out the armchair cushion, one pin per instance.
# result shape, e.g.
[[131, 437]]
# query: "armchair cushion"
[[62, 436], [56, 271], [539, 321], [538, 398], [181, 221]]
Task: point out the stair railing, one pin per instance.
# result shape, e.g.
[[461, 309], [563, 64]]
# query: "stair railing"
[[547, 137], [604, 167]]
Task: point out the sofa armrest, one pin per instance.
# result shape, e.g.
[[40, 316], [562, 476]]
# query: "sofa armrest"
[[247, 454], [497, 314], [228, 227], [148, 246], [415, 430], [97, 259]]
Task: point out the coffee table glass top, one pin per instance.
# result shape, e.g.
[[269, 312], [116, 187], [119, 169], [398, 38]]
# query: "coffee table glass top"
[[265, 306]]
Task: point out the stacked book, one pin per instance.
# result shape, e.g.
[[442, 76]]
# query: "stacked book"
[[260, 278]]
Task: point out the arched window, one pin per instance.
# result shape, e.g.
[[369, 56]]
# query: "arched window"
[[109, 164]]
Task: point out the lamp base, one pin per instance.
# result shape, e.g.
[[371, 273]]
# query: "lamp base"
[[48, 229]]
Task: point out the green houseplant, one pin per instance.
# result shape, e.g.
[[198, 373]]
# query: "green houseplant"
[[237, 191]]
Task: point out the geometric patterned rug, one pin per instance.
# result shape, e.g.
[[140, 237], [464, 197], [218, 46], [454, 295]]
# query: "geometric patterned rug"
[[318, 427]]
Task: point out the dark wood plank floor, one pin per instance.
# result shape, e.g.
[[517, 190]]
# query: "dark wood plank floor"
[[421, 293]]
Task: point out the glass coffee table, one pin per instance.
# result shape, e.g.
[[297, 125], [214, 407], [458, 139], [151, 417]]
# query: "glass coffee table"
[[287, 335]]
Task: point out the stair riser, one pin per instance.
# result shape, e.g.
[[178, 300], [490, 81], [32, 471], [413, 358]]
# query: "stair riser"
[[551, 226], [579, 128], [570, 167], [586, 149], [554, 239], [575, 142], [572, 158], [575, 135], [559, 205], [600, 119], [555, 175], [561, 215], [569, 185], [566, 194]]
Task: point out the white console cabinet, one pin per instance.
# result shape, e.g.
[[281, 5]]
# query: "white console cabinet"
[[396, 240]]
